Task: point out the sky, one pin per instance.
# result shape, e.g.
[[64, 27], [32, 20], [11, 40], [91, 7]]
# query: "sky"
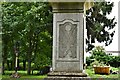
[[114, 45]]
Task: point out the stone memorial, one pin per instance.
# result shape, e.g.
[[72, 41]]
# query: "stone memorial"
[[68, 39]]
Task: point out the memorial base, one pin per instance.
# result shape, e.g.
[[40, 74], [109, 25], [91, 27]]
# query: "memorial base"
[[78, 78], [66, 76]]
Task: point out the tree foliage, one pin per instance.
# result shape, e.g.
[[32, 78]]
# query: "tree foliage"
[[30, 24], [99, 26]]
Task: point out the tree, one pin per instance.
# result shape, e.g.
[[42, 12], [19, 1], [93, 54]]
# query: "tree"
[[98, 25], [31, 24], [27, 25]]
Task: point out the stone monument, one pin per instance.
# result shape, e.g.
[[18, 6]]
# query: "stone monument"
[[68, 39]]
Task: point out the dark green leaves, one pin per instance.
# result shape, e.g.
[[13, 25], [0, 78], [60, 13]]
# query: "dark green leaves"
[[98, 25]]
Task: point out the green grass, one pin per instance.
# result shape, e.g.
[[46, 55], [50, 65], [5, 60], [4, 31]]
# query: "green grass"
[[91, 73], [27, 76], [23, 75], [20, 72]]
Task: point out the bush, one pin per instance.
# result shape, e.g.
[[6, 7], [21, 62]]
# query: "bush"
[[114, 61], [89, 60], [99, 54]]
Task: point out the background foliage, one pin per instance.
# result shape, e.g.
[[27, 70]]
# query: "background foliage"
[[27, 30], [99, 26]]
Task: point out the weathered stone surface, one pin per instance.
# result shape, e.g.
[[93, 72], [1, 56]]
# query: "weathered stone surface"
[[67, 7], [67, 74], [68, 42], [67, 78], [78, 78]]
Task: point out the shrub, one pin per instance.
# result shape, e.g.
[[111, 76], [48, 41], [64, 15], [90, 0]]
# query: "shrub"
[[99, 54], [114, 61], [89, 60]]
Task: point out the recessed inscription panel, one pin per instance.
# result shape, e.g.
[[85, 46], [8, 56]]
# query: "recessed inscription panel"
[[67, 40]]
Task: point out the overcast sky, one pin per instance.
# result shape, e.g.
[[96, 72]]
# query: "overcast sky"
[[114, 45]]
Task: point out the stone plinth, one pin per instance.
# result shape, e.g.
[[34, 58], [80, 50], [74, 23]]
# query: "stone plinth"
[[66, 74], [67, 78], [78, 78]]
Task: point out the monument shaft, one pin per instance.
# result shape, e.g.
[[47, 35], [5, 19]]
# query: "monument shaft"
[[68, 42], [68, 37]]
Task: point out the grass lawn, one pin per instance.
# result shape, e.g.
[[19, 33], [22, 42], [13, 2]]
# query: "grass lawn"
[[91, 74], [23, 75], [27, 77]]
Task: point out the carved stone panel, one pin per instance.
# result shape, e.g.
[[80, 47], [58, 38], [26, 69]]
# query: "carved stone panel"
[[67, 40]]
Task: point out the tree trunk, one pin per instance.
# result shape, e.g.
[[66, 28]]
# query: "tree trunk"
[[29, 60], [13, 64], [24, 64], [4, 56], [8, 66], [29, 66], [3, 67], [29, 52], [3, 62]]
